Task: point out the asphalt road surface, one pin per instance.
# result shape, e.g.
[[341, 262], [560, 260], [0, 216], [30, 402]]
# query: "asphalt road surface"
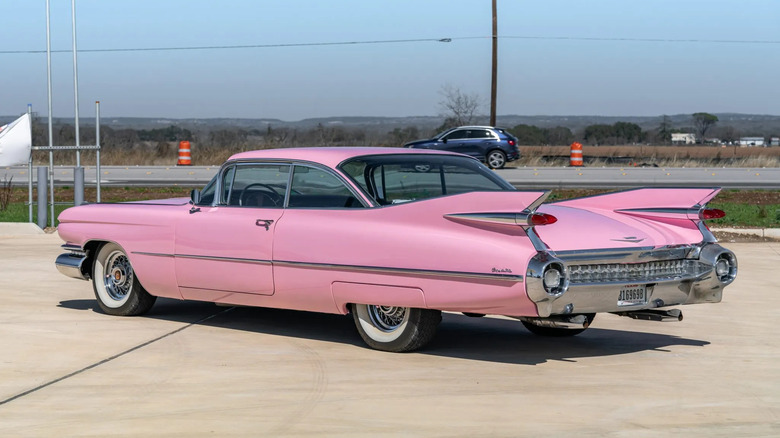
[[521, 177], [195, 369]]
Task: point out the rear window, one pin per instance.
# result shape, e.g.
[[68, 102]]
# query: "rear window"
[[394, 179]]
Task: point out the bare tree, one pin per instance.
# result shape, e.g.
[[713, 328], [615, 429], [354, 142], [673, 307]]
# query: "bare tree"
[[664, 133], [459, 106], [729, 134]]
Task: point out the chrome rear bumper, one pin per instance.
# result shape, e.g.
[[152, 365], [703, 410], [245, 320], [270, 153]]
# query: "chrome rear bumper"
[[671, 276]]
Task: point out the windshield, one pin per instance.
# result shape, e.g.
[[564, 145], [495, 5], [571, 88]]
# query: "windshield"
[[443, 133], [393, 179], [207, 194]]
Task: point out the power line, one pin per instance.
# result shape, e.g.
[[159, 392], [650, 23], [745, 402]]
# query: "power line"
[[645, 40], [233, 47], [402, 41]]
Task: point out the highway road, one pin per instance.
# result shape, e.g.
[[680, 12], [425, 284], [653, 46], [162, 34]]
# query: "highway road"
[[520, 177]]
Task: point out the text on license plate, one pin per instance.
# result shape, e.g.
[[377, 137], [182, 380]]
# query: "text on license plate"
[[632, 294]]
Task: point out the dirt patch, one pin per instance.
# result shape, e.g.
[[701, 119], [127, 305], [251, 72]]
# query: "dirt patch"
[[724, 236], [750, 197]]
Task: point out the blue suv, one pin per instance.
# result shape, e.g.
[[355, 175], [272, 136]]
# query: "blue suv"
[[492, 145]]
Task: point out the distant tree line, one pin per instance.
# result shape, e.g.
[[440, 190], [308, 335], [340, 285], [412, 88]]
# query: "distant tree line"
[[163, 141]]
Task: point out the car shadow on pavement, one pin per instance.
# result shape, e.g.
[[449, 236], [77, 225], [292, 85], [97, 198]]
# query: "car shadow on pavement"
[[458, 336], [507, 341]]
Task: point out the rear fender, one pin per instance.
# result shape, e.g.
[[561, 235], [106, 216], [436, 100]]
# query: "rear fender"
[[668, 205]]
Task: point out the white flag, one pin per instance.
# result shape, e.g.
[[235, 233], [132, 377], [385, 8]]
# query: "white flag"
[[15, 142]]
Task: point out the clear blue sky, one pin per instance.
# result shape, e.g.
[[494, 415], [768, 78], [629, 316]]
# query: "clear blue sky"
[[543, 75]]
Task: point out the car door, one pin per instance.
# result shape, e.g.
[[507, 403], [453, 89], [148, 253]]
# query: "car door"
[[225, 248], [320, 206], [455, 141], [479, 142]]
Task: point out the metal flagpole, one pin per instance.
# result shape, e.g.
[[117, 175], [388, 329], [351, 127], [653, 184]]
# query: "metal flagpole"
[[51, 129], [97, 151], [30, 168], [75, 81]]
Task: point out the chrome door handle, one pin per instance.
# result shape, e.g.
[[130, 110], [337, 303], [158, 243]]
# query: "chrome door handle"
[[264, 223]]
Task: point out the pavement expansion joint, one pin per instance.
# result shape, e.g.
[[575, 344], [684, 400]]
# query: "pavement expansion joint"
[[116, 356]]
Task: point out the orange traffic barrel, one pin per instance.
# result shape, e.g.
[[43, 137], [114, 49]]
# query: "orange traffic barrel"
[[576, 154], [185, 158]]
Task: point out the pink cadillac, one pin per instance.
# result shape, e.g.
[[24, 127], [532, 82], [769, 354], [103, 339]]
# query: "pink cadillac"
[[395, 237]]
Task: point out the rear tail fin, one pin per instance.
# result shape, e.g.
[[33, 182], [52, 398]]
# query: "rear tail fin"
[[668, 205], [525, 218], [645, 199]]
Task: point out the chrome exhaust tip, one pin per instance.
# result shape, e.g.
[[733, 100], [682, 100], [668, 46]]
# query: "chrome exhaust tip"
[[654, 315], [563, 321]]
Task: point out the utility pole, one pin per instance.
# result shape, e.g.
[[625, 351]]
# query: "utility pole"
[[495, 66]]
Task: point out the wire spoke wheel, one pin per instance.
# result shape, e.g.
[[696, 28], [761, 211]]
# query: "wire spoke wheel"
[[395, 328], [119, 278], [116, 285], [387, 318]]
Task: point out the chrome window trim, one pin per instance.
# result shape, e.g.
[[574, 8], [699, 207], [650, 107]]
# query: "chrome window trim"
[[222, 174], [501, 184], [366, 201], [250, 163], [328, 170]]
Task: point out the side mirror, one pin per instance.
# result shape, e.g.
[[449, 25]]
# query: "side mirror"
[[195, 196], [444, 140]]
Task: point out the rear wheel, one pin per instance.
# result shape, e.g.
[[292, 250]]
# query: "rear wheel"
[[117, 289], [555, 331], [495, 159], [396, 329]]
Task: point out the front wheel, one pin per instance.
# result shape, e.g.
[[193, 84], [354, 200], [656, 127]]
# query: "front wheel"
[[495, 159], [117, 289], [396, 329]]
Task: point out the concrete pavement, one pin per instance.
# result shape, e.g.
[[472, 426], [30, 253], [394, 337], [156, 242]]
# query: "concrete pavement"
[[19, 229], [195, 369]]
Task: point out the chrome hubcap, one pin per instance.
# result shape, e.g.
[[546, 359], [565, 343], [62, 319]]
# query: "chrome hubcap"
[[386, 318], [119, 276]]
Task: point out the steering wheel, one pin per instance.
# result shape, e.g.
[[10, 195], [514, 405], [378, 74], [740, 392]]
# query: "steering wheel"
[[267, 192]]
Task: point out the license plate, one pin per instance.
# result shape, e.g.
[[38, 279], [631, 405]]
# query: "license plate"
[[632, 295]]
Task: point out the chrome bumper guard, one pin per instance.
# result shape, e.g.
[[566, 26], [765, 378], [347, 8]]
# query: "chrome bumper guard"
[[71, 263], [686, 274]]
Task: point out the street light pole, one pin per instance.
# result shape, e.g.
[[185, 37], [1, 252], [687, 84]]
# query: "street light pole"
[[495, 68], [51, 130]]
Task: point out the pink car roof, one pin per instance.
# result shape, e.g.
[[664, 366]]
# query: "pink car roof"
[[329, 156]]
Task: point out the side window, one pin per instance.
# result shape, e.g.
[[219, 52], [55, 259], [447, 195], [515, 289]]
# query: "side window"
[[456, 135], [316, 188], [258, 186], [404, 183], [480, 133]]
